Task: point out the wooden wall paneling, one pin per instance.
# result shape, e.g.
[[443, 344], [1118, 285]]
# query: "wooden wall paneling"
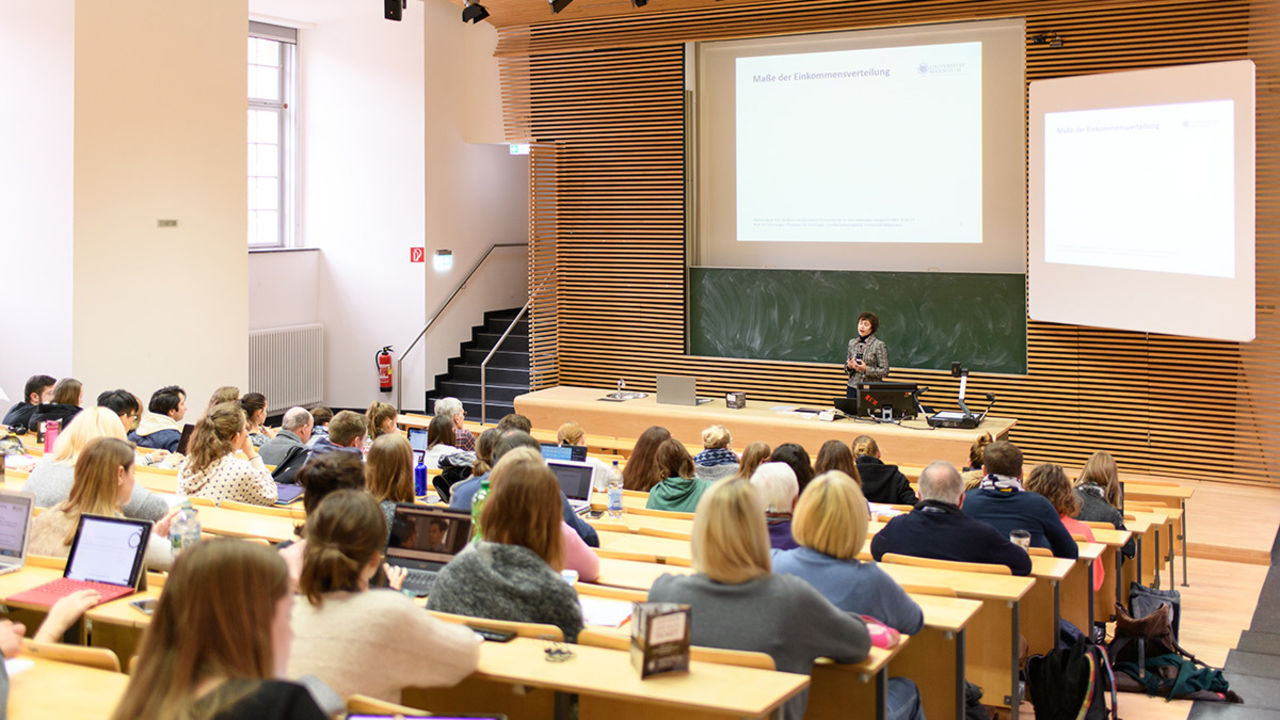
[[607, 91]]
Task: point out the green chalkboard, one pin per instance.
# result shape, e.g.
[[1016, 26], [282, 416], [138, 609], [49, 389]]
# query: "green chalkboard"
[[928, 320]]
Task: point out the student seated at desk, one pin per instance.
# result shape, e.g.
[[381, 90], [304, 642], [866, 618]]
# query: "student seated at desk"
[[716, 461], [380, 419], [218, 641], [68, 396], [322, 417], [739, 604], [161, 426], [103, 484], [292, 439], [460, 494], [881, 483], [571, 433], [641, 471], [451, 407], [1051, 481], [345, 435], [440, 441], [212, 469], [362, 641], [1098, 489], [388, 474], [797, 458], [753, 455], [53, 477], [255, 409], [1000, 501], [938, 528], [835, 455], [327, 474], [680, 490], [128, 407], [38, 389], [776, 484], [513, 572], [831, 527]]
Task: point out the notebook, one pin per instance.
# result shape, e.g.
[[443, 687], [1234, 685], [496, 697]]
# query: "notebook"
[[423, 540], [678, 390], [15, 528], [106, 556], [575, 480], [577, 453], [286, 493]]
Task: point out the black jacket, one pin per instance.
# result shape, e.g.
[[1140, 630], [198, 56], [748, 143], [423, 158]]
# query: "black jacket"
[[941, 531], [20, 414], [884, 483], [61, 412]]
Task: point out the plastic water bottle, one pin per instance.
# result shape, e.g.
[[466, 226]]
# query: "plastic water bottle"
[[420, 479], [477, 505], [51, 429], [184, 529], [615, 493]]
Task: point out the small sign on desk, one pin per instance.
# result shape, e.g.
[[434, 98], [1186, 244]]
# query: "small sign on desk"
[[660, 638]]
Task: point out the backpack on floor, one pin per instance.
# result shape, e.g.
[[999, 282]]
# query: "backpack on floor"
[[1145, 600], [1071, 684], [1148, 659]]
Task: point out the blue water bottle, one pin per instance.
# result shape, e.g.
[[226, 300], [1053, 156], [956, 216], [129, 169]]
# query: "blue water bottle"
[[420, 479]]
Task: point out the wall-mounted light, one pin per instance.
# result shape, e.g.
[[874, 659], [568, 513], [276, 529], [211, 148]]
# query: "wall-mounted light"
[[1051, 38], [558, 5], [442, 261], [474, 12]]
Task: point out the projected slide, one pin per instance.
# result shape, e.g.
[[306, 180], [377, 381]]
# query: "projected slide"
[[1142, 188], [873, 145]]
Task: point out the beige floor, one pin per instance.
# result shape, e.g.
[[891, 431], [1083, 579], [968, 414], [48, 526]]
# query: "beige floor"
[[1222, 520]]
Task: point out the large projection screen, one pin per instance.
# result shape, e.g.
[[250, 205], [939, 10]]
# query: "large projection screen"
[[1141, 197], [895, 149]]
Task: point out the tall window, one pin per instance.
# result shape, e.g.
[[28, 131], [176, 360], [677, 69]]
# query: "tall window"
[[272, 146]]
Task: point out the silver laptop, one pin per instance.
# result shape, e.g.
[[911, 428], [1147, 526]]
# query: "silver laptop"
[[423, 539], [678, 390], [576, 480], [15, 528]]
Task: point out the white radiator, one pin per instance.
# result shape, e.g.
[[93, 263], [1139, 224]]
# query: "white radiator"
[[287, 365]]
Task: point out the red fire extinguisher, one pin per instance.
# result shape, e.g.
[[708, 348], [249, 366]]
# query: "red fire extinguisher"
[[383, 360]]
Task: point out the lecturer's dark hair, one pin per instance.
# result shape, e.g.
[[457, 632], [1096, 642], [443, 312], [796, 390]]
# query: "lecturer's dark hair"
[[871, 318]]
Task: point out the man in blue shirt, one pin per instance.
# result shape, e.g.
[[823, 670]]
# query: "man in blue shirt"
[[1001, 502]]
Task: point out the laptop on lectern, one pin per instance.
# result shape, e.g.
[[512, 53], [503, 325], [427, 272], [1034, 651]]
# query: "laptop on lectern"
[[678, 390]]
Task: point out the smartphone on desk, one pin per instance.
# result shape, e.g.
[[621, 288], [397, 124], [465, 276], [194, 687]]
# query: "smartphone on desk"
[[146, 606], [492, 635]]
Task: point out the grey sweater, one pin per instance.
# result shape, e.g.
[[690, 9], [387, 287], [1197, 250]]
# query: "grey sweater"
[[51, 483], [506, 582], [780, 615]]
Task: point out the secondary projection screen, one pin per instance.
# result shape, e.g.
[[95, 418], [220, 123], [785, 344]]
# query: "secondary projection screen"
[[1142, 200], [897, 149]]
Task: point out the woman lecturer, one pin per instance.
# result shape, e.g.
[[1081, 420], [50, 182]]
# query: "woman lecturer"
[[868, 358]]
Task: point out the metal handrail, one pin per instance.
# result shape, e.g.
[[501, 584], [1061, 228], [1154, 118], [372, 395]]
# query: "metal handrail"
[[445, 304], [484, 365]]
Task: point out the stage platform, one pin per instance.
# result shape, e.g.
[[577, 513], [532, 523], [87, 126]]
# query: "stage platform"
[[913, 442]]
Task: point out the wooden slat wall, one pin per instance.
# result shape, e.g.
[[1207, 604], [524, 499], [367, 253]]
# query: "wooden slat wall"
[[608, 92]]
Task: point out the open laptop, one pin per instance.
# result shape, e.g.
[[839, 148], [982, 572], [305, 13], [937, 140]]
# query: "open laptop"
[[187, 431], [106, 556], [15, 528], [423, 540], [678, 390], [576, 481], [576, 453]]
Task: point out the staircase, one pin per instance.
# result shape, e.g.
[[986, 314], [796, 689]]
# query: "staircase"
[[507, 375]]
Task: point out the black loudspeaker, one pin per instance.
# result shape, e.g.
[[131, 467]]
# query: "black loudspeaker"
[[393, 9]]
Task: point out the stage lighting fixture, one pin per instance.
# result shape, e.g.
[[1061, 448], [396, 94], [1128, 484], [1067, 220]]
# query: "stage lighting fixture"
[[558, 5], [474, 12], [394, 9]]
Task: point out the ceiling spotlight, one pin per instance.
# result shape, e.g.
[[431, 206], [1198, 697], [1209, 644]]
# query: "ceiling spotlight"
[[474, 12], [394, 9], [558, 5]]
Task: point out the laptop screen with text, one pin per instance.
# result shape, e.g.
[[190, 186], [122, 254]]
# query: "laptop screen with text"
[[15, 515], [108, 550]]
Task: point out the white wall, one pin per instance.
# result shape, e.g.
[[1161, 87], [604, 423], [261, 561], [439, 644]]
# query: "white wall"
[[160, 133], [477, 195], [283, 289], [375, 183], [37, 51]]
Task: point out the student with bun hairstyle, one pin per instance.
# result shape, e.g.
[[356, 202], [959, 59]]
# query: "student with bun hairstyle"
[[881, 483], [103, 483], [513, 572], [641, 471], [53, 477], [327, 474], [715, 461], [362, 641], [680, 490], [218, 641], [212, 469]]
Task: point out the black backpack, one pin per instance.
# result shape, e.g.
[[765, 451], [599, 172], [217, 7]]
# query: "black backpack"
[[286, 472], [1072, 683]]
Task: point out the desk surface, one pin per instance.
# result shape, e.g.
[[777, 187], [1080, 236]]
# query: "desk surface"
[[50, 689], [757, 421], [721, 689], [635, 575]]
